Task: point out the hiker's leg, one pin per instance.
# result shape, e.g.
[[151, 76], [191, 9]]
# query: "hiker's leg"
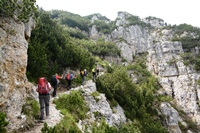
[[41, 100], [70, 83], [54, 91], [83, 80], [46, 100]]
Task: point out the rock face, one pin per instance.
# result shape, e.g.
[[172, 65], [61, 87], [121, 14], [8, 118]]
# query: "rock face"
[[14, 87], [163, 60], [99, 105], [178, 80]]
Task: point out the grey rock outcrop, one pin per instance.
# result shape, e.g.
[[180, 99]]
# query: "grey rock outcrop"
[[99, 105], [171, 116], [163, 60], [14, 86]]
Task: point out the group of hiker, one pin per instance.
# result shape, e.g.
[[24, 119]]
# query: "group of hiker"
[[44, 88]]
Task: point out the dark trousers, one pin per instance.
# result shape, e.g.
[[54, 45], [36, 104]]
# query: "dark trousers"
[[69, 84], [94, 75], [83, 80], [44, 104], [54, 89]]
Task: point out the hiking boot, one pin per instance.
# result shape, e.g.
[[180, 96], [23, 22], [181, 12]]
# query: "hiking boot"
[[41, 119]]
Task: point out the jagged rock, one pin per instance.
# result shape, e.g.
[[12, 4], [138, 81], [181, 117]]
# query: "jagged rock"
[[155, 22], [14, 86], [171, 116], [121, 18], [99, 104]]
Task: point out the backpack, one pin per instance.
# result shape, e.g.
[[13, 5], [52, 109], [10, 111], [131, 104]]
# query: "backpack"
[[43, 86], [53, 79], [68, 77], [82, 73], [93, 70]]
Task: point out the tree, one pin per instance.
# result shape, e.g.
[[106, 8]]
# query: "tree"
[[22, 10]]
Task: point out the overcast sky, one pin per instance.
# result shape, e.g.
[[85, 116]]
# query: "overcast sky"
[[171, 11]]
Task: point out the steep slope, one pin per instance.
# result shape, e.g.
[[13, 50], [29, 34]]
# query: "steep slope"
[[14, 86], [163, 60]]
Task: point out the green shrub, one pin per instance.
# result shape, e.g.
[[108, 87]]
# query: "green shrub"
[[135, 99], [3, 122], [66, 125], [102, 127], [22, 10], [73, 103], [135, 20], [191, 59], [31, 108]]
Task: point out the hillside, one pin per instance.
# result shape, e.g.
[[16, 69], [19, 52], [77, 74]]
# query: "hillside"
[[151, 70]]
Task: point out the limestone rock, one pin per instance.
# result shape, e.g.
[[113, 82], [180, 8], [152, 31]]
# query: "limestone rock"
[[14, 86]]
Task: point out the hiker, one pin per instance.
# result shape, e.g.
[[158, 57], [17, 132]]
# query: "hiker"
[[43, 88], [93, 74], [97, 70], [55, 80], [69, 78], [83, 75]]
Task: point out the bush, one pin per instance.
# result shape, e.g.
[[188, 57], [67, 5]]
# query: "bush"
[[31, 108], [3, 122], [73, 103], [102, 127], [135, 99], [66, 125]]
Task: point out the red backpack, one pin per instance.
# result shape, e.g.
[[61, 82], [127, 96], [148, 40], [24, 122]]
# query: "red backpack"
[[68, 77], [43, 86]]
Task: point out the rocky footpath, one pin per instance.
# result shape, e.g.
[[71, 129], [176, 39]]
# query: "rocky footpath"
[[102, 106]]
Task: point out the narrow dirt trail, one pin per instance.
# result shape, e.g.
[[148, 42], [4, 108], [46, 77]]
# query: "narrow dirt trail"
[[54, 117]]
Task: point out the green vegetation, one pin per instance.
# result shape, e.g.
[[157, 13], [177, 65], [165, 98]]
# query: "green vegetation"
[[70, 19], [73, 103], [32, 110], [102, 48], [60, 39], [135, 20], [3, 122], [99, 16], [191, 59], [66, 125], [135, 98], [102, 127], [51, 49], [21, 10], [76, 33], [189, 42], [154, 18], [73, 107], [104, 27]]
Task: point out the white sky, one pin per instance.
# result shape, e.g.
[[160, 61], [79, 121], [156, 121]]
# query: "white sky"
[[171, 11]]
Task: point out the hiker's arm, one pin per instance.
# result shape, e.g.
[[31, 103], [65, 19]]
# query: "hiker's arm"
[[37, 88], [49, 86]]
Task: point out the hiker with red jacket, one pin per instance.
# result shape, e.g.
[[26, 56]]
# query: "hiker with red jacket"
[[43, 88], [55, 80]]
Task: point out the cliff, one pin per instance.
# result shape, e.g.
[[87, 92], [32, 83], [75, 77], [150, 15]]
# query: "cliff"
[[163, 60], [14, 86]]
